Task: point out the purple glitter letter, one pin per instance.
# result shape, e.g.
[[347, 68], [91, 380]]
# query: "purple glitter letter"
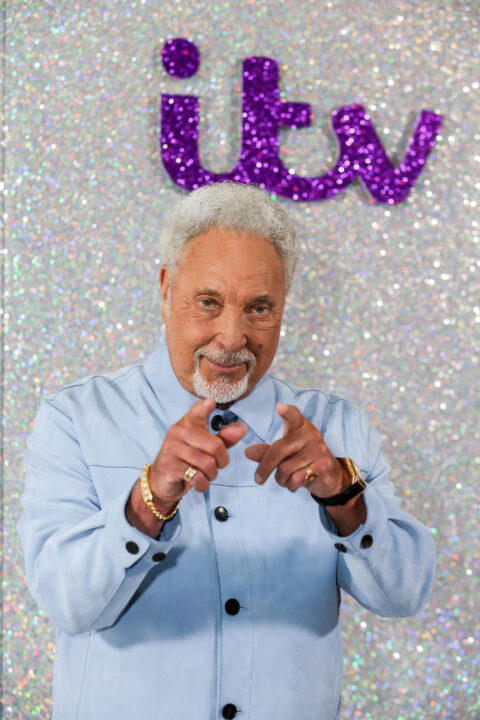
[[360, 150], [180, 58]]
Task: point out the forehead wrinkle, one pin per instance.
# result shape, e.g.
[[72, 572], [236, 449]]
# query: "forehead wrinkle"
[[264, 275], [231, 245], [216, 281]]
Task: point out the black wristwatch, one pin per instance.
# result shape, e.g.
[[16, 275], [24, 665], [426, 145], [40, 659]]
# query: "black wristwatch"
[[356, 487]]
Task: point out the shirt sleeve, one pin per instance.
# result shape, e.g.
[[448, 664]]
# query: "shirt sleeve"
[[388, 563], [84, 562]]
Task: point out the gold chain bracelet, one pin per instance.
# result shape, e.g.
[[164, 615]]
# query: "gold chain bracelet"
[[148, 497]]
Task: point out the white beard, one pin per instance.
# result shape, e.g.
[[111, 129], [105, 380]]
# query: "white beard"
[[223, 389]]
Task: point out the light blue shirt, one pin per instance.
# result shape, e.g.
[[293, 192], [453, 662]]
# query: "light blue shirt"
[[142, 629]]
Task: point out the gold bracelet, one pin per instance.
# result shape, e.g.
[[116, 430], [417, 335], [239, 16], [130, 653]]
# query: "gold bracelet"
[[148, 497]]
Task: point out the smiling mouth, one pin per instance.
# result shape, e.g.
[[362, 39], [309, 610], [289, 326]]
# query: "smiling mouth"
[[220, 367]]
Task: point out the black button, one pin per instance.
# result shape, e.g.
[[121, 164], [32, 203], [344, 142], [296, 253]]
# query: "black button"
[[159, 557], [229, 711], [341, 547], [132, 547], [221, 513], [217, 424], [232, 606], [366, 541]]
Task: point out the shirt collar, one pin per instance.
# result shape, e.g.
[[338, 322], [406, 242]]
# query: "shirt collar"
[[256, 410]]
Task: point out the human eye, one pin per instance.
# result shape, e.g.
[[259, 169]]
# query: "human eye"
[[260, 310], [207, 303]]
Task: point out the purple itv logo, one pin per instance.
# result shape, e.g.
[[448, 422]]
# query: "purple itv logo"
[[361, 154]]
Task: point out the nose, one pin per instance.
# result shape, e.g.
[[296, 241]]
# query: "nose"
[[230, 329]]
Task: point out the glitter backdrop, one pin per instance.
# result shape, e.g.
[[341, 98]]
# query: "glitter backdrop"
[[385, 309]]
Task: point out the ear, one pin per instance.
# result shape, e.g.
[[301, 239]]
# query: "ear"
[[164, 285]]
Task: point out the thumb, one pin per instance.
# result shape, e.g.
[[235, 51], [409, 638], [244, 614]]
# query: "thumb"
[[231, 434], [256, 452]]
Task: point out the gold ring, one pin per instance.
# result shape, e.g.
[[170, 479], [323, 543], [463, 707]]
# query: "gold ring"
[[189, 474], [310, 475]]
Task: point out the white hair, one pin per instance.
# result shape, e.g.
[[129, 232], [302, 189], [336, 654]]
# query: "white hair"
[[235, 206]]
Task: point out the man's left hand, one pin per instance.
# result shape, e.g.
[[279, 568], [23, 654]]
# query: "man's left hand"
[[302, 446]]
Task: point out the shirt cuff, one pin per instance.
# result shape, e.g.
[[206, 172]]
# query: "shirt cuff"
[[367, 539], [130, 546]]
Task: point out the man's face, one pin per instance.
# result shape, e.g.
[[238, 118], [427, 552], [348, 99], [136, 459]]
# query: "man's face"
[[225, 309]]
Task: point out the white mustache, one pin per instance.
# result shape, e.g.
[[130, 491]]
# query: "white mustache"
[[225, 357]]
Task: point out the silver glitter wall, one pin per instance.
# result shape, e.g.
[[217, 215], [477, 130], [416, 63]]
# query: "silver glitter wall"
[[385, 309]]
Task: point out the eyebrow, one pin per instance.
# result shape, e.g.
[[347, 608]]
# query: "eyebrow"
[[207, 291], [262, 299]]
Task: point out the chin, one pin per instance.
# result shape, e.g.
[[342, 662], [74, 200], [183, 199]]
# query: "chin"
[[223, 389]]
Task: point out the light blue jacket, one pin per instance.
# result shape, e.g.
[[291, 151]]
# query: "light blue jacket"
[[142, 630]]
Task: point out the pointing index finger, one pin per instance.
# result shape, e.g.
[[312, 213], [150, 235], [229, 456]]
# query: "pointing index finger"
[[292, 417], [199, 412]]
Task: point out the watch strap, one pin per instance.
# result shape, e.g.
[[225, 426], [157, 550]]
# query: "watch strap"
[[357, 486]]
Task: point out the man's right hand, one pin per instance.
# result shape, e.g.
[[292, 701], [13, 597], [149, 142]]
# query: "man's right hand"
[[188, 443]]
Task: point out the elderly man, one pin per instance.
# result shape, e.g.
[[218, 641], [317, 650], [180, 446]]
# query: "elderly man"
[[188, 521]]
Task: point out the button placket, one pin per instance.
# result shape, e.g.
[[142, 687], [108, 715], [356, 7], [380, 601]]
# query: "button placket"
[[236, 631]]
